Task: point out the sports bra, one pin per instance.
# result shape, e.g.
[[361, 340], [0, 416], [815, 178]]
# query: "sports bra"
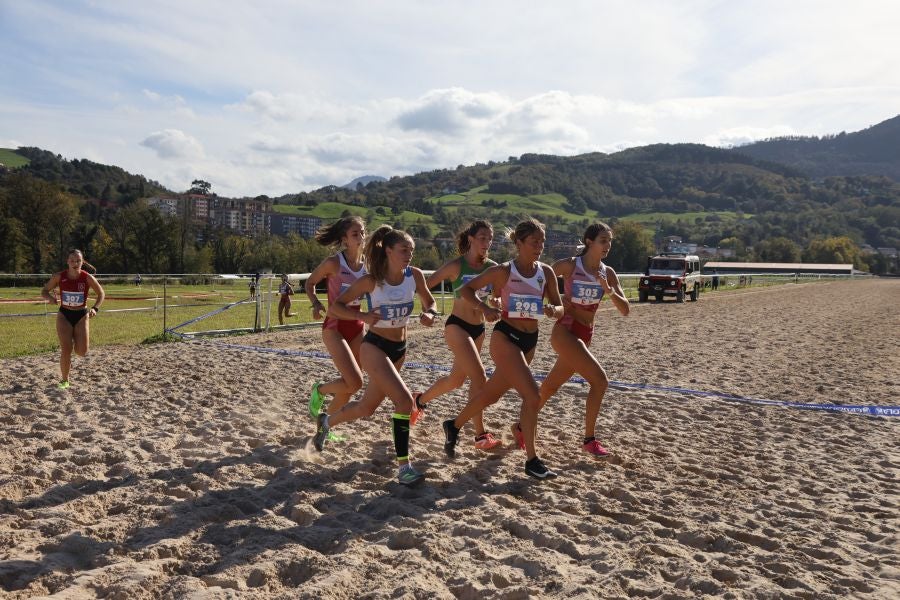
[[467, 274]]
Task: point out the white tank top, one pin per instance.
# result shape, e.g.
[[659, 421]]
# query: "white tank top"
[[393, 302]]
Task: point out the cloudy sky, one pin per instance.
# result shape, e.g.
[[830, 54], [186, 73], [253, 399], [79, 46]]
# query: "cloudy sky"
[[280, 96]]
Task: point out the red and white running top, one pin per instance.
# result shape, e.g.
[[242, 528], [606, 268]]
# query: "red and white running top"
[[345, 278], [73, 292], [583, 288], [523, 297]]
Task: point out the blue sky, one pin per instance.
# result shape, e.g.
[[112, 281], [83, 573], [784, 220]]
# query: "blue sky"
[[275, 97]]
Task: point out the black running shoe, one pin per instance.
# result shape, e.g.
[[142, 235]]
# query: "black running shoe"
[[321, 432], [536, 469], [451, 435]]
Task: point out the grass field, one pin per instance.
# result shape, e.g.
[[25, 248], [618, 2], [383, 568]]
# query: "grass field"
[[538, 205], [132, 314], [11, 159], [653, 218]]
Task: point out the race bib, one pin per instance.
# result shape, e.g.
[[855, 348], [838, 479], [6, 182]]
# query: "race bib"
[[395, 314], [525, 306], [480, 292], [73, 299], [586, 293], [355, 303]]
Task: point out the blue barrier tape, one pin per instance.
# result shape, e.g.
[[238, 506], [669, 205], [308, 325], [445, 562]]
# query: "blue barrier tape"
[[879, 411]]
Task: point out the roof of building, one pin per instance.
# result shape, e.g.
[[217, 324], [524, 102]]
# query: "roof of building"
[[775, 266]]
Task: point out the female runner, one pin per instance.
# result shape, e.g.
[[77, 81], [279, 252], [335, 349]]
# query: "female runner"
[[522, 283], [586, 280], [72, 320], [464, 329], [284, 303], [342, 337], [390, 289]]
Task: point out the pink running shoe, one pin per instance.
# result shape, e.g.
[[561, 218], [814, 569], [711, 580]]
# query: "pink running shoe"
[[518, 435], [486, 441], [594, 448]]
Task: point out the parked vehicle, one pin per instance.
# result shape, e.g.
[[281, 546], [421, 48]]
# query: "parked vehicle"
[[671, 274]]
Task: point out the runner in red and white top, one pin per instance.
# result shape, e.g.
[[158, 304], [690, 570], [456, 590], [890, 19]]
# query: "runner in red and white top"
[[342, 337], [586, 281], [74, 285], [522, 285]]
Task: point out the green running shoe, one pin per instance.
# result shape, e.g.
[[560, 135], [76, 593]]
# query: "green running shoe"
[[408, 476], [335, 437], [63, 385], [315, 400]]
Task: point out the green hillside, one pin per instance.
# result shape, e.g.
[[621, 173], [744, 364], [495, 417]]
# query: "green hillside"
[[709, 196], [872, 151], [374, 216], [11, 159], [698, 193]]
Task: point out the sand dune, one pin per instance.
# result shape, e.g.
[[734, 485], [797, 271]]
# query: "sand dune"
[[186, 470]]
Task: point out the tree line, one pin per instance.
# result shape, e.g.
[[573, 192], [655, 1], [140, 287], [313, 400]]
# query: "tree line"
[[53, 204]]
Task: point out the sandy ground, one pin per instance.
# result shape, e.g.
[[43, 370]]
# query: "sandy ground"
[[186, 470]]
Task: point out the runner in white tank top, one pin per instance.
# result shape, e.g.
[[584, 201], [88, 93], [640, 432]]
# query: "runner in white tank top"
[[390, 287]]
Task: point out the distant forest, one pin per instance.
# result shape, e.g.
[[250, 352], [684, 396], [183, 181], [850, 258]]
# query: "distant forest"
[[812, 209]]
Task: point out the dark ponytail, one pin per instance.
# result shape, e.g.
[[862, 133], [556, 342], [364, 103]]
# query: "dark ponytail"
[[591, 233], [332, 235], [462, 238], [84, 262]]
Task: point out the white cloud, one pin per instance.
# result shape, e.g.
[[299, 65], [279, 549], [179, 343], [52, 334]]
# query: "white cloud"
[[738, 136], [173, 104], [283, 96], [451, 111], [173, 143]]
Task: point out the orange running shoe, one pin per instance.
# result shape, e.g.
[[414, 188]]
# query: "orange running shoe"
[[417, 409], [486, 441]]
